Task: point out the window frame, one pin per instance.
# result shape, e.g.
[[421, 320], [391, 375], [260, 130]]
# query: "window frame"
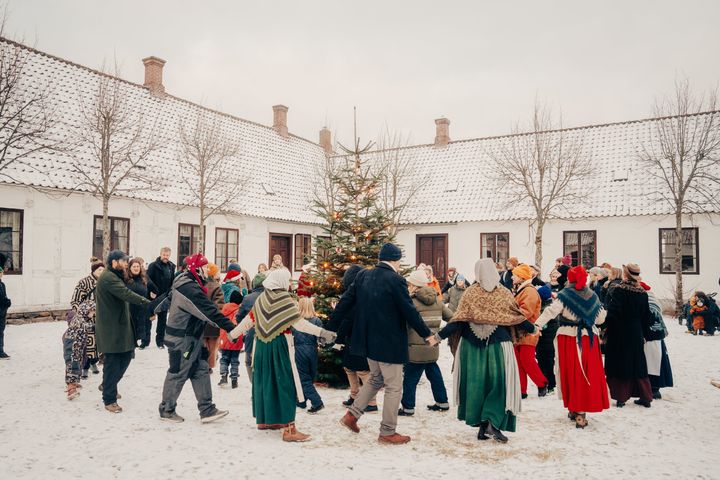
[[306, 250], [20, 241], [112, 222], [482, 252], [579, 244], [227, 246], [696, 252], [193, 226]]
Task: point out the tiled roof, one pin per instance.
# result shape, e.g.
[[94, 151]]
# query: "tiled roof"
[[279, 169]]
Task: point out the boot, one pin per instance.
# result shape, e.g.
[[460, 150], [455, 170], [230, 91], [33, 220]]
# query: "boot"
[[348, 402], [234, 383], [84, 374], [223, 380], [349, 421], [292, 434], [495, 433], [481, 433], [315, 409], [73, 391], [581, 421], [644, 403], [542, 391], [394, 439], [94, 369]]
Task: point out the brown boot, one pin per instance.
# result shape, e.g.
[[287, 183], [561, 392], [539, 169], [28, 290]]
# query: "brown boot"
[[113, 408], [349, 421], [291, 434], [394, 439], [73, 391]]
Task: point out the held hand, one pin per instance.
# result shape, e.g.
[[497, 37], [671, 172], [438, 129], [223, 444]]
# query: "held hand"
[[327, 336], [432, 341]]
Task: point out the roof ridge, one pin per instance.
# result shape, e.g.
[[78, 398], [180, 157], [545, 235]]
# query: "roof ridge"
[[134, 84]]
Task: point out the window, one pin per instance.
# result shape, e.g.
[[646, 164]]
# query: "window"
[[11, 230], [495, 246], [690, 251], [303, 250], [188, 240], [582, 247], [226, 246], [119, 235]]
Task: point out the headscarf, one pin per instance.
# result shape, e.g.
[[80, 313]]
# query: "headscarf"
[[277, 279], [194, 263], [523, 272], [486, 274]]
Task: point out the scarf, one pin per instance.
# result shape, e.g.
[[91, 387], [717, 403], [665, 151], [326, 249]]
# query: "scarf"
[[585, 305], [658, 324], [275, 311]]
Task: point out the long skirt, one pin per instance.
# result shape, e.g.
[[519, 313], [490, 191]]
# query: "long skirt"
[[482, 386], [665, 379], [581, 375], [273, 386]]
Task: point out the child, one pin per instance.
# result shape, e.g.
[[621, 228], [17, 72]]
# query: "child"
[[698, 309], [230, 352], [306, 357]]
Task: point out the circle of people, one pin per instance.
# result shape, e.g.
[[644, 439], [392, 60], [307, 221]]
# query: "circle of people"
[[506, 326]]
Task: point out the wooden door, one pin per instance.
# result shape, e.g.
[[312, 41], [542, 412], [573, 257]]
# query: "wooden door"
[[433, 250], [281, 244]]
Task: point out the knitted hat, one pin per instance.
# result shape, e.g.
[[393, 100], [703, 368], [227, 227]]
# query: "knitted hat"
[[513, 261], [578, 276], [234, 266], [522, 271], [418, 278], [116, 255], [461, 278], [258, 280], [213, 270], [231, 274], [545, 292], [390, 253], [567, 260]]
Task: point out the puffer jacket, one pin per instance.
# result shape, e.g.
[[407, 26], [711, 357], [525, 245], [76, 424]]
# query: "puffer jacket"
[[453, 295], [433, 312]]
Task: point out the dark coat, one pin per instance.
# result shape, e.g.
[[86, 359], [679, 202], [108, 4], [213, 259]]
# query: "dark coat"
[[379, 330], [4, 300], [506, 279], [343, 327], [627, 324], [215, 294], [162, 275], [114, 330], [141, 312]]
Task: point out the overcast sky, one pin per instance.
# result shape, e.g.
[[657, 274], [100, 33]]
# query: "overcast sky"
[[402, 63]]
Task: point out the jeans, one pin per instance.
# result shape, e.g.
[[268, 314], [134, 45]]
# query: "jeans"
[[390, 376], [230, 358], [413, 372], [193, 368], [115, 366], [160, 329], [306, 360]]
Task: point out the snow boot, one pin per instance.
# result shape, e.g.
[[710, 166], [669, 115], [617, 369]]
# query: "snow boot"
[[234, 383], [223, 380], [350, 422], [292, 434], [394, 439], [481, 433]]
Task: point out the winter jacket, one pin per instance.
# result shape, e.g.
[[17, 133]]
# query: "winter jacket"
[[229, 310], [506, 279], [450, 283], [4, 300], [606, 292], [162, 275], [379, 330], [528, 299], [114, 330], [190, 309], [452, 297], [433, 312], [302, 339], [628, 322], [227, 289], [85, 289], [141, 312], [215, 294], [435, 285]]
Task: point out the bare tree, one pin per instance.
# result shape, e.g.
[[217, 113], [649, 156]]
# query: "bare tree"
[[209, 165], [25, 118], [399, 182], [683, 154], [538, 170], [119, 145]]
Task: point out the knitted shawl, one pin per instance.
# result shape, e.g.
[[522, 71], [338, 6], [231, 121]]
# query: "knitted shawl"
[[275, 311], [585, 305]]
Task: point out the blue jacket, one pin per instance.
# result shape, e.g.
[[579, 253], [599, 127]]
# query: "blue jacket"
[[379, 330], [305, 339]]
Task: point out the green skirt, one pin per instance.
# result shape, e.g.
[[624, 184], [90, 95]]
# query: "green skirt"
[[482, 386], [273, 389]]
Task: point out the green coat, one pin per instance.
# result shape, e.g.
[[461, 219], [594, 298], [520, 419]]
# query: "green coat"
[[114, 332], [433, 312]]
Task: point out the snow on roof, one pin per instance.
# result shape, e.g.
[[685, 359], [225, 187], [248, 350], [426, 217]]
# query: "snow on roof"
[[277, 171]]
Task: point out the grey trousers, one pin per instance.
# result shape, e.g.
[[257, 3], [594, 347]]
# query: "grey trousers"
[[389, 375], [194, 368]]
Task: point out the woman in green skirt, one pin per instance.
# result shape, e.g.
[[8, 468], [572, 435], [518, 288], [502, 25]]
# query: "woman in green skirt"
[[486, 381], [276, 387]]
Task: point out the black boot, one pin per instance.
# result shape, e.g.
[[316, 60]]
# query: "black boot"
[[223, 379], [495, 433], [348, 402], [644, 403], [542, 391], [481, 433], [234, 383]]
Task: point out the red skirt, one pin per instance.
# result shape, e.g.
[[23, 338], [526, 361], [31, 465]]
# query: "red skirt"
[[584, 389]]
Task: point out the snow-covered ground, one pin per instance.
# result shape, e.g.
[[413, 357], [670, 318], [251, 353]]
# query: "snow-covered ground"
[[42, 435]]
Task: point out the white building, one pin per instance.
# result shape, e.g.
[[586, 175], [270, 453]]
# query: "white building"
[[49, 227]]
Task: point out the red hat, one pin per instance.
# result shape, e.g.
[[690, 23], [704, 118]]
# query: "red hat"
[[578, 276], [231, 274]]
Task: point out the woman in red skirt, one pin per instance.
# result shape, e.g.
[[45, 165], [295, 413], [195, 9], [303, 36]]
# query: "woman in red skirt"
[[581, 375]]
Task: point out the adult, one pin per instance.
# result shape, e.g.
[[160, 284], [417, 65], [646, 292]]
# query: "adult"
[[423, 357], [114, 330], [628, 320], [454, 294], [162, 274], [506, 277], [536, 280], [583, 388], [614, 279], [545, 349], [211, 335], [276, 387], [487, 389], [656, 353], [138, 281], [598, 278], [452, 275], [5, 303], [528, 299], [190, 310], [379, 332], [245, 308]]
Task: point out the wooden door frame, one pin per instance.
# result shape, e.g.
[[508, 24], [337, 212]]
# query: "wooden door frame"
[[419, 236], [289, 236]]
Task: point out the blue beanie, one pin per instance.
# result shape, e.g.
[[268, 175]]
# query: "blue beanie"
[[390, 253], [545, 293]]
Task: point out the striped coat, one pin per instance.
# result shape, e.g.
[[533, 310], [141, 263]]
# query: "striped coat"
[[84, 290]]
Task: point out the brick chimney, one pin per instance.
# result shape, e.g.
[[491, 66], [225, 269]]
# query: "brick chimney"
[[153, 75], [280, 119], [442, 132], [326, 141]]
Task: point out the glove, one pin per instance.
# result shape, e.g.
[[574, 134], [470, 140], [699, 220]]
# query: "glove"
[[327, 336]]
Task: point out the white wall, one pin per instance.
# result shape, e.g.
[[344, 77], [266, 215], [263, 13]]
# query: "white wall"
[[58, 233], [619, 240]]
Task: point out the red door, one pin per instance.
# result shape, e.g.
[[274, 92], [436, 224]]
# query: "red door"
[[281, 244], [433, 250]]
